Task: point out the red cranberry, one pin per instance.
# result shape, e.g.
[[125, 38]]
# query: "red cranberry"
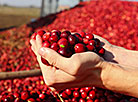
[[34, 36], [89, 36], [101, 51], [16, 95], [18, 100], [90, 47], [46, 44], [92, 94], [96, 100], [65, 34], [65, 52], [53, 38], [56, 32], [82, 34], [92, 42], [72, 40], [24, 95], [84, 94], [76, 94], [41, 32], [46, 36], [87, 89], [81, 100], [79, 48], [54, 46], [85, 41], [63, 44], [42, 96], [89, 100], [31, 100], [64, 95], [68, 91]]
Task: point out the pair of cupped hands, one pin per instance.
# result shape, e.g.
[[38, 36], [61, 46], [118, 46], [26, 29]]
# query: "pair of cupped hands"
[[80, 70]]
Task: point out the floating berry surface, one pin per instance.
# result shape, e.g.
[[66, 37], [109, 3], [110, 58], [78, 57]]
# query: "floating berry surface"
[[114, 20]]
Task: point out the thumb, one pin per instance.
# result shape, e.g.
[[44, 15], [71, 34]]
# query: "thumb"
[[54, 58]]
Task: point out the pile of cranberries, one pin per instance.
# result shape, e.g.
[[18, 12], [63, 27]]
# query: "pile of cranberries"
[[67, 44]]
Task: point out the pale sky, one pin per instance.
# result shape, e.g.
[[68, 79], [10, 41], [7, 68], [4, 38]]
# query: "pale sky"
[[35, 2]]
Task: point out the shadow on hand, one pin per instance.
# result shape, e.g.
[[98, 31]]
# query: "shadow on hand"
[[108, 56]]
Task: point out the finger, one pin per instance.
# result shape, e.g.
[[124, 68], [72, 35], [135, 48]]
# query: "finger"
[[54, 58], [33, 43], [38, 41]]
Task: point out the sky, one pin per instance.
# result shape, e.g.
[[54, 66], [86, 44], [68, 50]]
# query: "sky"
[[37, 3]]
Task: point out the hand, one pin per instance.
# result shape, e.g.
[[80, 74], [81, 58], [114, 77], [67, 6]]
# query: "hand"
[[109, 55], [81, 69]]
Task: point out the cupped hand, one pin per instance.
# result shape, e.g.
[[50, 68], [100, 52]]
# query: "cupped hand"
[[80, 70]]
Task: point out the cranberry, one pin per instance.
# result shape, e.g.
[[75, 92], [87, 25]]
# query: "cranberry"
[[63, 44], [46, 44], [92, 42], [65, 52], [92, 94], [89, 36], [64, 95], [68, 91], [42, 96], [101, 51], [41, 32], [76, 94], [46, 36], [34, 36], [89, 100], [24, 95], [80, 48], [65, 34], [84, 94], [18, 100], [53, 38], [90, 47], [82, 34], [81, 100], [87, 89], [85, 41], [31, 100], [72, 40], [54, 46], [56, 32]]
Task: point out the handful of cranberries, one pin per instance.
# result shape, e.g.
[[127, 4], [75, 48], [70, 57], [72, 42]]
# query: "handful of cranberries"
[[67, 44]]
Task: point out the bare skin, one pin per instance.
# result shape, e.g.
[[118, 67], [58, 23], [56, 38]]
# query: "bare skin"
[[115, 72]]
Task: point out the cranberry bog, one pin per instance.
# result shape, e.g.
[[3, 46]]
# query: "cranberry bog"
[[113, 20]]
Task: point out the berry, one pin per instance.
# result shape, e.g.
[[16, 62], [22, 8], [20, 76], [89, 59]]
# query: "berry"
[[72, 40], [53, 38], [42, 96], [89, 36], [84, 94], [46, 36], [41, 32], [54, 46], [92, 94], [65, 34], [79, 48], [31, 100], [46, 44], [34, 36], [76, 94], [65, 52], [24, 95], [90, 47]]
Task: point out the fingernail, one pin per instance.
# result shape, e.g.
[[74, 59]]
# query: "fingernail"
[[42, 51]]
